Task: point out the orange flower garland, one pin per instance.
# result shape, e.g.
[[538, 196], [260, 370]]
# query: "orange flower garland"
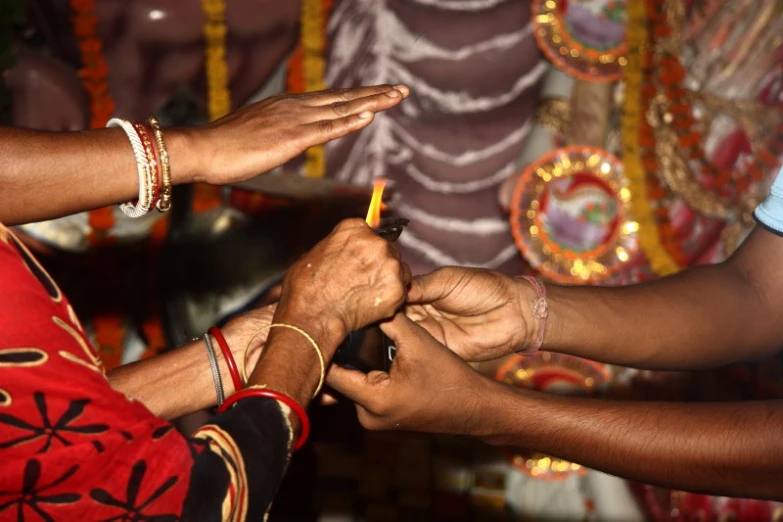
[[657, 194], [684, 122], [307, 66], [644, 191]]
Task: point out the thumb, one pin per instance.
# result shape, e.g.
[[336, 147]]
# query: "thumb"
[[356, 386], [428, 287], [405, 333]]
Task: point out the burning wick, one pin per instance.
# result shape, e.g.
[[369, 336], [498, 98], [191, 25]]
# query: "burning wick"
[[376, 203]]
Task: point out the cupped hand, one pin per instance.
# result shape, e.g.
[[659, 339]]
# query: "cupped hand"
[[479, 314], [351, 279], [265, 135], [428, 389]]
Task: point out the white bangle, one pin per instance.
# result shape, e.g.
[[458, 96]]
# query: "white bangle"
[[142, 206]]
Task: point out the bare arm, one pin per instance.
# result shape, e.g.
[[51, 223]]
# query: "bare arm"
[[706, 316], [732, 449], [702, 317], [52, 174]]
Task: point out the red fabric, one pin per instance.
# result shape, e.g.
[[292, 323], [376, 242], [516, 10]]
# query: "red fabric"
[[71, 447]]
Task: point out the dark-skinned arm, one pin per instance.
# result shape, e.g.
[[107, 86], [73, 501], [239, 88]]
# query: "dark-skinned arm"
[[46, 175], [703, 317], [733, 449]]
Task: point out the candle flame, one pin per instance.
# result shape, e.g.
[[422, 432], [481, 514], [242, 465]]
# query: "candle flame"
[[376, 203]]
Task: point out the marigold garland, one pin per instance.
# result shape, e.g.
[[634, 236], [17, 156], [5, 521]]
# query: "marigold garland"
[[637, 52], [307, 67], [684, 123], [215, 33]]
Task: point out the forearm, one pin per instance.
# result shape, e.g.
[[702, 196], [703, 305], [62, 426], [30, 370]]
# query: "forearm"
[[52, 174], [707, 316], [175, 383], [731, 449]]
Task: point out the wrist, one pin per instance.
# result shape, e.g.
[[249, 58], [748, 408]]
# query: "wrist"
[[326, 329], [527, 327], [185, 155]]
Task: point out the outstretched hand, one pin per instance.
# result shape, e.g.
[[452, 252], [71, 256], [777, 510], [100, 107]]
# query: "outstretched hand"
[[479, 314], [265, 135]]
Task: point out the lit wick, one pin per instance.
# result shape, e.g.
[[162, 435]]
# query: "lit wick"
[[376, 203]]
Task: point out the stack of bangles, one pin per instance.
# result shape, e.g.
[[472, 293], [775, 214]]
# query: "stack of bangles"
[[237, 379], [152, 164]]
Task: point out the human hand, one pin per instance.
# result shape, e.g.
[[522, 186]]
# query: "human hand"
[[350, 279], [479, 314], [428, 389], [265, 135], [241, 329]]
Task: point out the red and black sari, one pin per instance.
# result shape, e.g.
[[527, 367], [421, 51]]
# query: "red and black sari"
[[73, 448]]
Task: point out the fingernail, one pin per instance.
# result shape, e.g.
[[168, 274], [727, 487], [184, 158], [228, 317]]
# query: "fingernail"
[[393, 93], [366, 115], [403, 89]]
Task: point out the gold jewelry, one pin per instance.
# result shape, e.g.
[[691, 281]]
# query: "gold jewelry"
[[307, 336], [164, 201]]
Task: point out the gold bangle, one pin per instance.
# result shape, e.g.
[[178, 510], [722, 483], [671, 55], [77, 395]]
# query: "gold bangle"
[[243, 369], [164, 200]]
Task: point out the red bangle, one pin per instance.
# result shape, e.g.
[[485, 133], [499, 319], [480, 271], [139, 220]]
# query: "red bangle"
[[228, 356], [304, 420], [152, 161]]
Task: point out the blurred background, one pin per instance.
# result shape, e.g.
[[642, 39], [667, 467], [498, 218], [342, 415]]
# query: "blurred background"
[[594, 142]]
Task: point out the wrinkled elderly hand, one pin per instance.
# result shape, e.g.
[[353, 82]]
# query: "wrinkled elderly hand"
[[265, 135], [428, 388], [351, 279]]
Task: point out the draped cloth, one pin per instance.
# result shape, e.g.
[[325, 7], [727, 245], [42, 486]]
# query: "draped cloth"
[[74, 448]]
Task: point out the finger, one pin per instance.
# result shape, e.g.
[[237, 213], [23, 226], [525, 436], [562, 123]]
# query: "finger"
[[428, 288], [354, 385], [327, 399], [375, 103], [328, 130], [405, 274], [405, 333], [346, 95]]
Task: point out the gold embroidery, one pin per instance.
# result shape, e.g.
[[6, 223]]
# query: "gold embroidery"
[[223, 445], [28, 256], [5, 398], [68, 356], [92, 360], [10, 357], [74, 320]]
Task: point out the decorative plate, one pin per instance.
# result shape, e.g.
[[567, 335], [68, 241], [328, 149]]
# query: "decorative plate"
[[552, 373], [584, 38], [571, 215]]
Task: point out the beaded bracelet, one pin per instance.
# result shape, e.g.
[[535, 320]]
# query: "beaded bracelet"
[[260, 391], [152, 163], [164, 203], [228, 356], [141, 206]]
